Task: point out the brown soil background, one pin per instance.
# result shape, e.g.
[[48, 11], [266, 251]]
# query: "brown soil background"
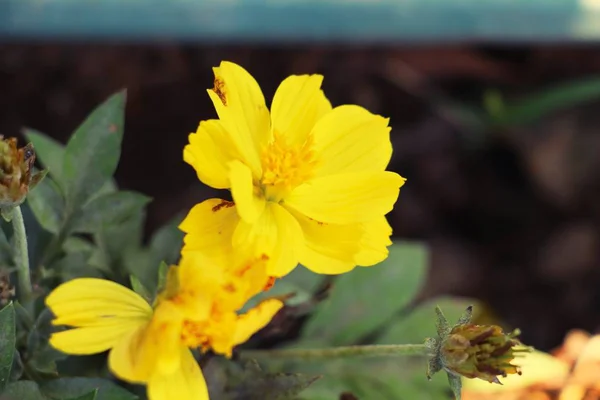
[[512, 220]]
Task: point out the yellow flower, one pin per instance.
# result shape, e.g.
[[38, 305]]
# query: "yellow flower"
[[308, 182], [197, 309]]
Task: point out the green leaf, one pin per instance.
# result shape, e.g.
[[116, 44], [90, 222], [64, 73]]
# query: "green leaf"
[[536, 106], [93, 152], [7, 343], [140, 289], [108, 210], [23, 390], [88, 396], [166, 243], [49, 152], [419, 324], [47, 205], [365, 299], [64, 388], [42, 356], [163, 271], [230, 381]]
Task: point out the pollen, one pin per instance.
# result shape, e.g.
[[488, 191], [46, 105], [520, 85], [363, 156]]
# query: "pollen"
[[286, 166], [193, 334]]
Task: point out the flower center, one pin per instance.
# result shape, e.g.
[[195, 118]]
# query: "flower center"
[[193, 335], [285, 166]]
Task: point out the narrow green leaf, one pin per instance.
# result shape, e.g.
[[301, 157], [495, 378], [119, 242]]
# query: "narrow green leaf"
[[93, 152], [537, 105], [49, 152], [23, 390], [65, 388], [107, 210], [47, 205], [139, 288], [88, 396], [365, 299], [163, 271], [419, 324], [7, 343]]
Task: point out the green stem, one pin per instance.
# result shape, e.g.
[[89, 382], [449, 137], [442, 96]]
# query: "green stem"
[[25, 290], [375, 350]]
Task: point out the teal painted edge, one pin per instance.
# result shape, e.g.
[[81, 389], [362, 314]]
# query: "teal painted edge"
[[281, 21]]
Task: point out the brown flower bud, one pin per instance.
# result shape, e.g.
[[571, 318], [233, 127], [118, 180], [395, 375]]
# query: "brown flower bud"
[[16, 172]]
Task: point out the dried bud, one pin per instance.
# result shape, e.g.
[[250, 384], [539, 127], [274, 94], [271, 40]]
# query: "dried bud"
[[480, 351], [472, 351], [16, 177]]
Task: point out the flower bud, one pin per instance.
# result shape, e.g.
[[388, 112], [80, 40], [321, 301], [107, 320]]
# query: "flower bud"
[[480, 351], [16, 177], [472, 351]]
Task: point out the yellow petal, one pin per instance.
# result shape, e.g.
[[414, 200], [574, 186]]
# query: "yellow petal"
[[125, 359], [209, 152], [187, 383], [209, 227], [347, 198], [96, 302], [249, 204], [275, 234], [92, 339], [297, 105], [163, 338], [256, 319], [374, 242], [329, 248], [241, 107], [351, 139]]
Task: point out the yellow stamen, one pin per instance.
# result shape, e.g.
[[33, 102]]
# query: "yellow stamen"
[[285, 166]]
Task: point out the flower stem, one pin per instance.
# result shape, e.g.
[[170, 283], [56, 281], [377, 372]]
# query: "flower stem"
[[340, 352], [25, 291]]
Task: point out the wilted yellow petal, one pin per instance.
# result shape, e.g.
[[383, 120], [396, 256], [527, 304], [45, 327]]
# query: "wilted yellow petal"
[[347, 198], [297, 105], [242, 111], [276, 234], [249, 204], [351, 139], [209, 152], [374, 242], [186, 383], [256, 319], [209, 227], [96, 302]]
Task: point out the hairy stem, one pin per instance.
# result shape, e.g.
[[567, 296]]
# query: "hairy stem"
[[25, 290], [339, 352]]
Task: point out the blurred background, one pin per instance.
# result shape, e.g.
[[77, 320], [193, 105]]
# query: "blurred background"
[[494, 107]]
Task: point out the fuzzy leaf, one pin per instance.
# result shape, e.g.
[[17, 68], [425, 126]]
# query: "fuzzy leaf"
[[250, 382], [108, 210], [47, 205], [7, 343], [88, 396], [93, 151], [23, 390], [362, 301], [65, 388]]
